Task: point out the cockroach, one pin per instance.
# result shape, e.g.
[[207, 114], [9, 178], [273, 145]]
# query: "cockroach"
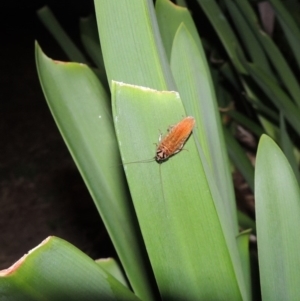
[[174, 140], [172, 143]]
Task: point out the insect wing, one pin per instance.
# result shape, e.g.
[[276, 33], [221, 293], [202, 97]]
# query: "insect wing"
[[173, 142], [181, 131]]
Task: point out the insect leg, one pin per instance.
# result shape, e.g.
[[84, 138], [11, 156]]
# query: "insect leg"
[[171, 127], [160, 136]]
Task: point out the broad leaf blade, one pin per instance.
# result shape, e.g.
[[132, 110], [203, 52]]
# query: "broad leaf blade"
[[56, 270], [81, 109], [278, 221], [169, 18], [173, 201], [243, 244], [131, 43], [112, 267], [192, 76]]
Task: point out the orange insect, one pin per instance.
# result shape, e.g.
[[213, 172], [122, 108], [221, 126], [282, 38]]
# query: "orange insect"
[[175, 139], [173, 142]]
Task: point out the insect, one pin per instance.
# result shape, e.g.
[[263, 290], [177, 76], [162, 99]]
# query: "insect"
[[172, 143], [174, 140]]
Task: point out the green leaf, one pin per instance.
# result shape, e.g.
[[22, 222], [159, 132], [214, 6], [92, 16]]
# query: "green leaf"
[[111, 266], [94, 51], [289, 26], [246, 222], [246, 122], [192, 76], [169, 18], [276, 95], [228, 72], [243, 245], [223, 30], [239, 158], [130, 40], [88, 27], [284, 72], [90, 40], [56, 270], [263, 110], [70, 49], [81, 109], [277, 217], [250, 41], [188, 250], [288, 147]]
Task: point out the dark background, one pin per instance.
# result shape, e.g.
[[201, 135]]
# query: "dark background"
[[41, 191]]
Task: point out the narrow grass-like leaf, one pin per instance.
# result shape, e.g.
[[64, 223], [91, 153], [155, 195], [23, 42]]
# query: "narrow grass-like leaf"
[[250, 41], [70, 49], [288, 147], [56, 270], [276, 95], [264, 110], [90, 40], [246, 122], [230, 75], [223, 29], [267, 115], [193, 79], [130, 40], [278, 221], [283, 70], [94, 51], [173, 201], [82, 112], [88, 27], [239, 158], [289, 26]]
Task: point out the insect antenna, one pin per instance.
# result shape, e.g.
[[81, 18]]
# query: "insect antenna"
[[142, 161]]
